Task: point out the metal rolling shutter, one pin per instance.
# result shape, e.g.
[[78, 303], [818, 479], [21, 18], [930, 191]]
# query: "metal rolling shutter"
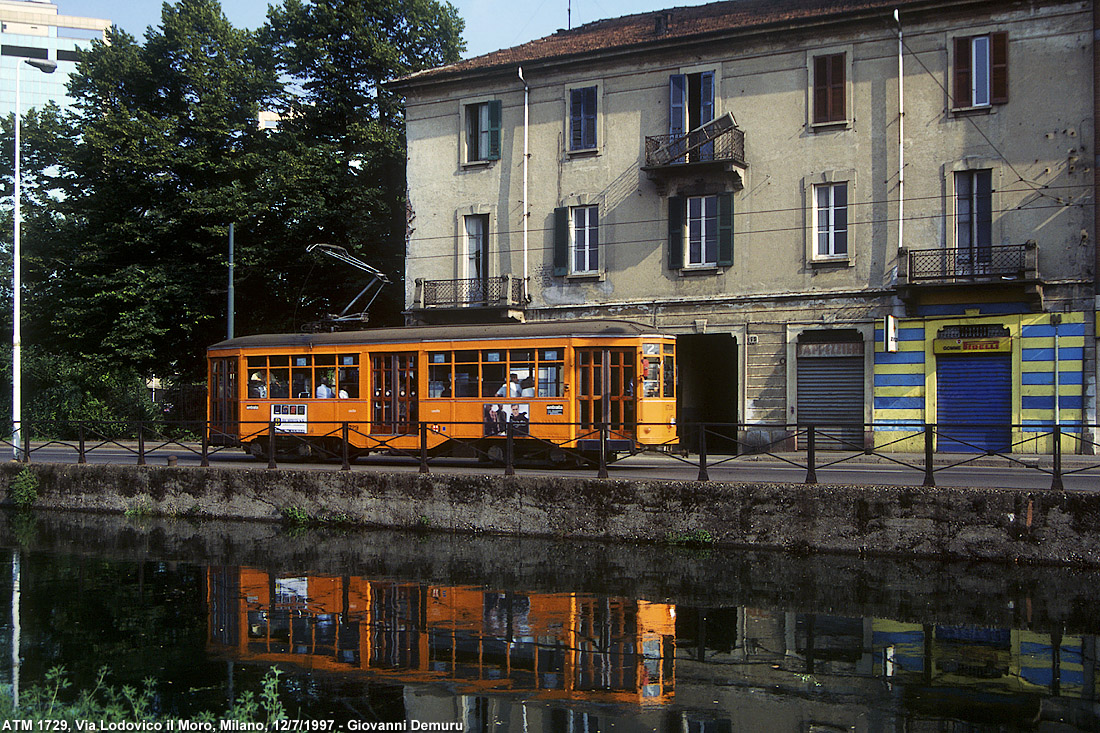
[[830, 397], [974, 401]]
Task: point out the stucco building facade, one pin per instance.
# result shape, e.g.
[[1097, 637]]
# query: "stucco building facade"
[[847, 212]]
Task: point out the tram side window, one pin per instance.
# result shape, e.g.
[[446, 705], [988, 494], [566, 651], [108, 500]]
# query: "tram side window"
[[257, 377], [495, 380], [466, 376], [439, 374], [279, 377], [497, 373], [324, 374], [551, 370], [301, 378], [347, 376], [521, 363], [670, 371], [651, 370]]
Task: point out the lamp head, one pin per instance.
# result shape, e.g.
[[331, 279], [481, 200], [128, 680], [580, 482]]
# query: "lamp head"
[[44, 65]]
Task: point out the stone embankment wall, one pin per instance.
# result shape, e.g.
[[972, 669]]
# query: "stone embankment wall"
[[988, 524]]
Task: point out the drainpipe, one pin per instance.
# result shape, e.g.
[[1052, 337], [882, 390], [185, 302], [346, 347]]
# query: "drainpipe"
[[1091, 394], [231, 306], [901, 134], [526, 120]]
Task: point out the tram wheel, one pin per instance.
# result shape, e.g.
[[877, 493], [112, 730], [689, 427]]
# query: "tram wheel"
[[495, 454], [258, 450]]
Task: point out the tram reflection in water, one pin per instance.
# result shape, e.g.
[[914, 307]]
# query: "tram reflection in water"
[[574, 650]]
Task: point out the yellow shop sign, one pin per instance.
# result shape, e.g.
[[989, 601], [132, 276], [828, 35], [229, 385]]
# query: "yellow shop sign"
[[972, 346]]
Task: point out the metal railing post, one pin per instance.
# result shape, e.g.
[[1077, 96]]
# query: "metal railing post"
[[141, 443], [602, 473], [346, 466], [929, 455], [811, 456], [271, 444], [26, 443], [704, 475], [205, 462], [81, 456], [509, 450], [1056, 478], [424, 448]]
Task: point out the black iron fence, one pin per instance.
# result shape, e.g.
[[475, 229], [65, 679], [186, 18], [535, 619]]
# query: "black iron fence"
[[702, 446]]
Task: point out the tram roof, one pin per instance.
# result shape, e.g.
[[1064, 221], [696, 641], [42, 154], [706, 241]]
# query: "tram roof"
[[598, 328]]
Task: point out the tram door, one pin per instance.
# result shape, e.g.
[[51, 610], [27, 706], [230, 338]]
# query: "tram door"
[[605, 388], [394, 399], [223, 400]]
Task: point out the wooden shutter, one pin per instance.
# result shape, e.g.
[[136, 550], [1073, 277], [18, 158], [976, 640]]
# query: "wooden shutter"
[[821, 89], [829, 88], [725, 230], [677, 102], [837, 111], [494, 130], [561, 241], [706, 97], [983, 214], [576, 119], [675, 232], [962, 90], [998, 68], [582, 118], [588, 118]]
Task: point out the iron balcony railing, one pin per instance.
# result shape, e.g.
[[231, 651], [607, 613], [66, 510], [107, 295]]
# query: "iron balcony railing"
[[999, 261], [503, 291], [669, 150]]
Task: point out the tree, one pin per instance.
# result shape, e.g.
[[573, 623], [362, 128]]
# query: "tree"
[[162, 153], [339, 54], [130, 194]]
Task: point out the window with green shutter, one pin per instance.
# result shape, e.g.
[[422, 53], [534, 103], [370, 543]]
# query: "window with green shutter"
[[700, 231], [483, 131]]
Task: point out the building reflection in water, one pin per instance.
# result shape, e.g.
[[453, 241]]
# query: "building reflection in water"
[[482, 656]]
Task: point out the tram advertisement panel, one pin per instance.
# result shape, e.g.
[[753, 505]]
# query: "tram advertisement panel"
[[290, 418], [497, 416]]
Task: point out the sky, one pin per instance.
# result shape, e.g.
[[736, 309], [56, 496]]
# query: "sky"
[[490, 24]]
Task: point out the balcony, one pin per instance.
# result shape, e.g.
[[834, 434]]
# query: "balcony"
[[1001, 267], [718, 145], [470, 299]]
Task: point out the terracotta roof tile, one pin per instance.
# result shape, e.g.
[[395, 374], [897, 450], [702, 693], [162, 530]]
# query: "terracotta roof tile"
[[681, 23]]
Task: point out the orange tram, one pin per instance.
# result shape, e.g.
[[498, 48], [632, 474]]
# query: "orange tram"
[[551, 386]]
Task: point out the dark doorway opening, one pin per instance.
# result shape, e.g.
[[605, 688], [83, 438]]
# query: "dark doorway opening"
[[707, 391]]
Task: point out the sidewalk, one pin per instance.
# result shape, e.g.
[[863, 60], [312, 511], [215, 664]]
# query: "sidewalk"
[[1020, 460]]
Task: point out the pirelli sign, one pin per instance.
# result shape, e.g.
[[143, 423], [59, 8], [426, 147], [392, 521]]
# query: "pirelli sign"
[[972, 346]]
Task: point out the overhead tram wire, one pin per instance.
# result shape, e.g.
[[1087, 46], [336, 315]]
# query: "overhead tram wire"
[[772, 230], [1059, 202]]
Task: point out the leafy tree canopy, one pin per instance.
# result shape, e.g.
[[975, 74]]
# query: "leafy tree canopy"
[[129, 195]]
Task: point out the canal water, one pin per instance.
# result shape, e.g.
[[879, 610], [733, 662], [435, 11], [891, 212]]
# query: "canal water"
[[516, 635]]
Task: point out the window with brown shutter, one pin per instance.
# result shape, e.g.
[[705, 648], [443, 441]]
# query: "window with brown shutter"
[[981, 71], [998, 72], [829, 102]]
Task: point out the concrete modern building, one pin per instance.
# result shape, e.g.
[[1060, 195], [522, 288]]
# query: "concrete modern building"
[[32, 29], [847, 211]]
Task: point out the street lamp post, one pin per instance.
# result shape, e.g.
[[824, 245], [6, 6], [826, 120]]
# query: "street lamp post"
[[47, 67]]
